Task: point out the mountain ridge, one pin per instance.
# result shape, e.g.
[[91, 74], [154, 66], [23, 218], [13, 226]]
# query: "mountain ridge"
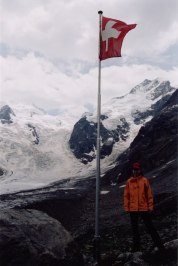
[[36, 147], [123, 116]]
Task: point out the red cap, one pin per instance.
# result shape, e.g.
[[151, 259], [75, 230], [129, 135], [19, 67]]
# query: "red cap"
[[136, 166]]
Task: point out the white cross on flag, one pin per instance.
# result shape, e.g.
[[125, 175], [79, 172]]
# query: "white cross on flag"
[[112, 34]]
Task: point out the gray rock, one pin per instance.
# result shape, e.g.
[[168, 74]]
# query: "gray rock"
[[34, 134], [83, 138], [5, 114], [129, 258], [171, 244], [1, 171], [31, 237]]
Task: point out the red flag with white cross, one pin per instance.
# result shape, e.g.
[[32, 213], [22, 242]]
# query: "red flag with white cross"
[[111, 37]]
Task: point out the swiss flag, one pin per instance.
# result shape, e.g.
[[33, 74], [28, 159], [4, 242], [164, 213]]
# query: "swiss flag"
[[112, 34]]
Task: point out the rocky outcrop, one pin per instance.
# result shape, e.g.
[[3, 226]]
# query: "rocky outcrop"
[[140, 117], [83, 138], [1, 172], [5, 115], [162, 90], [34, 134], [30, 237], [81, 142]]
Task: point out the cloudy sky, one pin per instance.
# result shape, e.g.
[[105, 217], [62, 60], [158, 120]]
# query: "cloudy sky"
[[49, 51]]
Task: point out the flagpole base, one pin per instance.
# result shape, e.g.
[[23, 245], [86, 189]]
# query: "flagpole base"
[[96, 251]]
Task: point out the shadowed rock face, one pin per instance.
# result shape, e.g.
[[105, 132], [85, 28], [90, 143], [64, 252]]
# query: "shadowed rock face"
[[154, 146], [34, 134], [83, 138], [30, 237], [5, 114], [1, 172]]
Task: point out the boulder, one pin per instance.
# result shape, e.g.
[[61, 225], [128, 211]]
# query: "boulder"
[[31, 237]]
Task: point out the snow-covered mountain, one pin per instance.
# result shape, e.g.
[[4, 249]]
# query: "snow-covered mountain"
[[121, 120], [37, 148], [34, 149]]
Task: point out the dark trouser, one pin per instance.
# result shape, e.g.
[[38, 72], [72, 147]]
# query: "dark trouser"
[[134, 216]]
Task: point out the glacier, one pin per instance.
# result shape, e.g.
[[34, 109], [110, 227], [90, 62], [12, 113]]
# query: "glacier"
[[35, 145]]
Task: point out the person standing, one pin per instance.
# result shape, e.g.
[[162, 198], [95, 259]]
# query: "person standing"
[[138, 201]]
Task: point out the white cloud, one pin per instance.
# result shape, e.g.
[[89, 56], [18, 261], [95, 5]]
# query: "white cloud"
[[69, 29], [35, 80], [65, 35]]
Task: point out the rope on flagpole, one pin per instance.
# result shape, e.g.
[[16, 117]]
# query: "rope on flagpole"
[[97, 235]]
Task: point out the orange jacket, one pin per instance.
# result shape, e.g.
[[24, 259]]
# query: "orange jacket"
[[138, 195]]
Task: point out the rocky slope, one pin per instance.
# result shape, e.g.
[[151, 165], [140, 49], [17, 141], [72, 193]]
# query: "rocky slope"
[[75, 209], [155, 145]]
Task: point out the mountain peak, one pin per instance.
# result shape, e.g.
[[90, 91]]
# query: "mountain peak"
[[161, 89], [153, 88], [145, 86]]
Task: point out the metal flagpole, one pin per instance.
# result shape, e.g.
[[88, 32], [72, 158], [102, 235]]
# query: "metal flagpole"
[[97, 235]]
